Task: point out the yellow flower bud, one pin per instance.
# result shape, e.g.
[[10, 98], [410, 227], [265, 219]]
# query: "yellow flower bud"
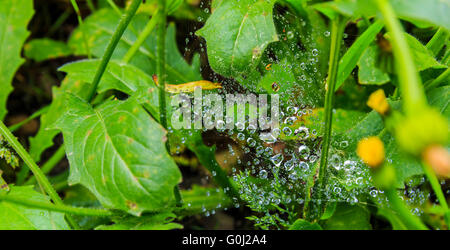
[[371, 151], [378, 102], [439, 159]]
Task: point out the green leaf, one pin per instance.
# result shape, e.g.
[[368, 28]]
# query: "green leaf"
[[349, 217], [354, 53], [371, 125], [119, 76], [423, 57], [14, 18], [433, 12], [100, 26], [440, 98], [159, 221], [279, 80], [237, 33], [44, 138], [18, 217], [117, 151], [301, 224], [45, 49], [368, 72]]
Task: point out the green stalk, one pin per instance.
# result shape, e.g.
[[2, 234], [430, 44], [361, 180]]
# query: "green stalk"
[[337, 31], [410, 220], [123, 24], [161, 73], [142, 37], [114, 7], [80, 22], [55, 207], [61, 19], [161, 61], [50, 164], [435, 185], [410, 85], [90, 5], [31, 117], [437, 42], [441, 78], [42, 180]]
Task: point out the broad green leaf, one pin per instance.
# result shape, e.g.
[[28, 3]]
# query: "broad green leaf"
[[301, 224], [44, 49], [99, 28], [368, 72], [368, 64], [159, 221], [117, 151], [433, 12], [423, 58], [405, 166], [354, 53], [279, 79], [119, 76], [44, 138], [349, 217], [18, 217], [14, 18], [237, 34]]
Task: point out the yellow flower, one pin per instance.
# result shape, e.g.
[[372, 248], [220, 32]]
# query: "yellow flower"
[[371, 151], [377, 101]]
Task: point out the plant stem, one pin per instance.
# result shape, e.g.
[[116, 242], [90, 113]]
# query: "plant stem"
[[142, 37], [114, 7], [410, 85], [410, 220], [42, 180], [123, 24], [435, 185], [161, 60], [161, 73], [437, 42], [61, 19], [80, 22], [55, 207], [90, 5], [337, 31], [441, 78], [31, 117], [50, 164]]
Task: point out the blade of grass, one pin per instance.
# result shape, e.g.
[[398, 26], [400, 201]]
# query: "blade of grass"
[[38, 113], [351, 57]]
